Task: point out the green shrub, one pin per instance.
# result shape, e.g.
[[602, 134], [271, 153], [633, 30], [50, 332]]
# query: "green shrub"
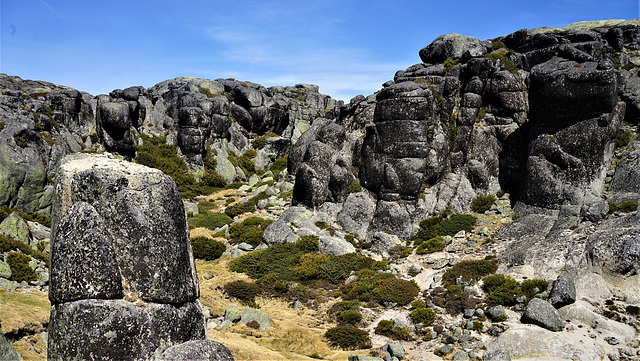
[[9, 244], [355, 187], [20, 269], [450, 63], [423, 315], [245, 291], [397, 291], [278, 166], [261, 141], [458, 222], [505, 62], [482, 202], [628, 206], [206, 248], [496, 44], [6, 244], [453, 299], [308, 243], [478, 326], [279, 259], [249, 230], [429, 228], [435, 244], [245, 207], [613, 207], [384, 328], [156, 153], [623, 137], [351, 317], [213, 179], [32, 217], [209, 220], [469, 271], [418, 304], [399, 333], [348, 338], [503, 290], [529, 287]]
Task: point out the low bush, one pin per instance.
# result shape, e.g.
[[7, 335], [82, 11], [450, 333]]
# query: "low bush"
[[278, 259], [351, 317], [418, 304], [249, 230], [355, 187], [503, 290], [261, 141], [623, 137], [245, 207], [453, 299], [245, 291], [501, 55], [384, 328], [348, 338], [399, 333], [435, 244], [482, 202], [209, 220], [308, 243], [32, 217], [531, 287], [423, 315], [628, 206], [20, 269], [469, 271], [458, 222], [206, 248], [397, 291]]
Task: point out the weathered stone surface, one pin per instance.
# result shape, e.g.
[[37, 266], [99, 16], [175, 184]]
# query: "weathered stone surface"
[[497, 355], [5, 270], [83, 262], [117, 329], [7, 352], [563, 291], [334, 246], [627, 176], [356, 214], [535, 342], [197, 350], [15, 227], [232, 314], [542, 313], [615, 250], [263, 319], [144, 215], [451, 46]]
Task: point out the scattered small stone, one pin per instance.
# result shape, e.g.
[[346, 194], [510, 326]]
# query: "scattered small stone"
[[469, 312], [444, 350], [440, 264], [612, 340], [460, 356]]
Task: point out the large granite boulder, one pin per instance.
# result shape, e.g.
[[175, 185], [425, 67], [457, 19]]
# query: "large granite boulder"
[[451, 46], [123, 279]]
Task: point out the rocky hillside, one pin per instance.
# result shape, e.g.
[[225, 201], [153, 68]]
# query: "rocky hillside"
[[535, 133]]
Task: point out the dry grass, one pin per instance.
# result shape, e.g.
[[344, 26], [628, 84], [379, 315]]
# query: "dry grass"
[[23, 310], [293, 335]]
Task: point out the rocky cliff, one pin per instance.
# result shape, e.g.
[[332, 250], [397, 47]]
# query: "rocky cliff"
[[546, 119]]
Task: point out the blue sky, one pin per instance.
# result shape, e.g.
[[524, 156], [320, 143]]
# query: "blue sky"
[[345, 47]]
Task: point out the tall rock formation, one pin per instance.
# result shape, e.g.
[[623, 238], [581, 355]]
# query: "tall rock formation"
[[123, 280]]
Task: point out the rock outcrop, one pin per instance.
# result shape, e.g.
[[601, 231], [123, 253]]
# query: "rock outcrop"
[[123, 279]]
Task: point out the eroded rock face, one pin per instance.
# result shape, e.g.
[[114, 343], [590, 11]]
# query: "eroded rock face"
[[123, 280]]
